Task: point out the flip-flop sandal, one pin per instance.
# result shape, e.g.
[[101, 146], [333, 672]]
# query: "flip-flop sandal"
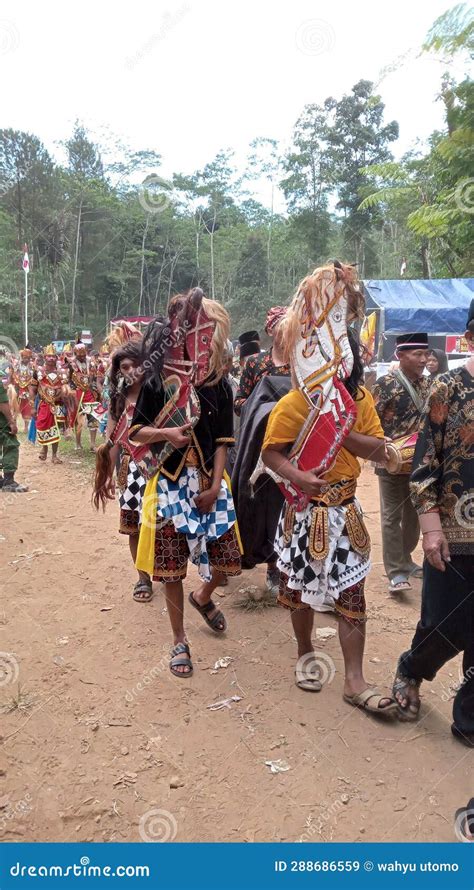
[[363, 700], [417, 572], [145, 588], [42, 457], [305, 679], [411, 711], [185, 660], [215, 621], [397, 586]]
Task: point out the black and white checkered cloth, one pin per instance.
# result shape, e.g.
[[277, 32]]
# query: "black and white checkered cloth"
[[131, 497], [320, 581]]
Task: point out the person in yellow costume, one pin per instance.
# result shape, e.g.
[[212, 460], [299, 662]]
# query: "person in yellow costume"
[[324, 550]]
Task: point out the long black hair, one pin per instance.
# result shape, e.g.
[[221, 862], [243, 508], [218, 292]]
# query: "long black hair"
[[118, 388], [356, 378]]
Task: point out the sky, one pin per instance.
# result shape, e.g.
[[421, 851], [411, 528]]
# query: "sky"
[[189, 77]]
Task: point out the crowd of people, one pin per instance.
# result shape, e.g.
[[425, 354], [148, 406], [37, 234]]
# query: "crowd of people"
[[232, 456]]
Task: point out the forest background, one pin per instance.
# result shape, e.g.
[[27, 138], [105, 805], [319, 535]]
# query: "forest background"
[[108, 235]]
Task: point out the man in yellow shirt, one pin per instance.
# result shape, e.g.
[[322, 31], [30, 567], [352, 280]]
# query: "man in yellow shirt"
[[324, 549]]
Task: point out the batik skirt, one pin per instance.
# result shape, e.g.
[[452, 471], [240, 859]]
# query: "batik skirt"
[[324, 557], [209, 540]]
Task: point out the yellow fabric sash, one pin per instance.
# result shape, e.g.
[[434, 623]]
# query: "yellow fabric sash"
[[145, 560]]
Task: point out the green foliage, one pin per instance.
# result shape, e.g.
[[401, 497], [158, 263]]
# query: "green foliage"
[[108, 236]]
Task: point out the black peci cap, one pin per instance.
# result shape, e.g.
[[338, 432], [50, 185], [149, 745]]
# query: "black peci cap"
[[251, 348], [412, 341], [249, 337]]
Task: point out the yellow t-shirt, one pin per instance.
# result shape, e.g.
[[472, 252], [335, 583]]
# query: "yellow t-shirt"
[[290, 413]]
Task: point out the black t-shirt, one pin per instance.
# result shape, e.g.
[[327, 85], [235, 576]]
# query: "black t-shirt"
[[214, 427]]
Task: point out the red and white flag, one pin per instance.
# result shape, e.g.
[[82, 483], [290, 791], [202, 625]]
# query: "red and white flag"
[[26, 261]]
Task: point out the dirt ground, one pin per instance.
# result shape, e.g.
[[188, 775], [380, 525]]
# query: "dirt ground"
[[102, 743]]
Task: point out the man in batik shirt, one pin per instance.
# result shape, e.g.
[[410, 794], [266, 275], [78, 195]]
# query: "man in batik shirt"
[[442, 489], [399, 399]]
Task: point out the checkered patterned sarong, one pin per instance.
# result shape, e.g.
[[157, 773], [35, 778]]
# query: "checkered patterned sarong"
[[320, 581], [131, 497], [176, 503]]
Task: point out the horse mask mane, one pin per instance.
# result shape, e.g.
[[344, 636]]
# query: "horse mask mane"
[[317, 346]]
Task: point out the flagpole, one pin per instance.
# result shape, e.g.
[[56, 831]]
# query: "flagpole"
[[26, 269]]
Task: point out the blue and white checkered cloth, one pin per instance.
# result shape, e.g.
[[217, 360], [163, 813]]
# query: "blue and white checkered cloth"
[[176, 503]]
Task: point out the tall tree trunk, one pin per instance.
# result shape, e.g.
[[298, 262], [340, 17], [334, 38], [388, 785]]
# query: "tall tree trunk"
[[55, 306], [158, 284], [212, 257], [20, 213], [269, 243], [76, 258], [425, 258], [142, 269]]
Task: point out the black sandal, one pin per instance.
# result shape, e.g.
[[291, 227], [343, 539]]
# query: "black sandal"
[[145, 588], [185, 661], [215, 621], [411, 710]]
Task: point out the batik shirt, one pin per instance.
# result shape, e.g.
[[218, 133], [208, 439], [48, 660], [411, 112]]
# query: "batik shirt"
[[398, 413], [256, 367], [443, 468]]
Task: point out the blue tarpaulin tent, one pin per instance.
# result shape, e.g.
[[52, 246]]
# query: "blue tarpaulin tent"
[[437, 305]]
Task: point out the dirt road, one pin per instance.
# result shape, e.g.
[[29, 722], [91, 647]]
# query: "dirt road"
[[102, 743]]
